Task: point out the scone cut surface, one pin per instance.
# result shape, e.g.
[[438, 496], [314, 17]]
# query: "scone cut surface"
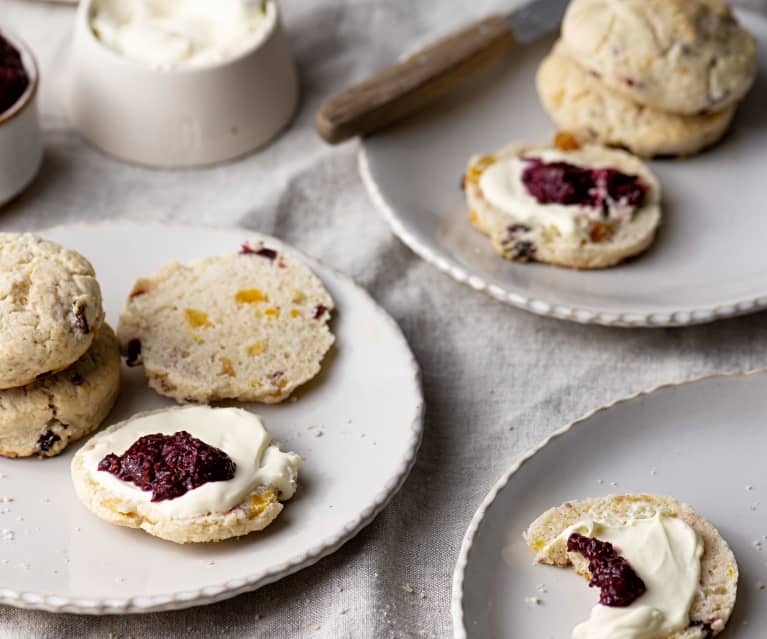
[[42, 418], [681, 56], [247, 501], [251, 326], [714, 601], [574, 235], [50, 308]]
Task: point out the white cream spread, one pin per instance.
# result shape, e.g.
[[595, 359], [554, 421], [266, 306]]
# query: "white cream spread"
[[665, 552], [181, 33], [501, 185], [240, 434]]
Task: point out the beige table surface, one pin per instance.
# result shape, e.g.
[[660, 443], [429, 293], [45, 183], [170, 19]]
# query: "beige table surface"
[[497, 380]]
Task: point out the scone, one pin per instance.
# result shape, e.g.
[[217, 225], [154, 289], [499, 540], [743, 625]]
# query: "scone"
[[191, 474], [681, 56], [251, 326], [687, 573], [50, 308], [586, 207], [581, 104], [47, 415]]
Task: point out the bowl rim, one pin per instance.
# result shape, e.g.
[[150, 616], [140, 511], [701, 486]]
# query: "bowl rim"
[[32, 68], [85, 31]]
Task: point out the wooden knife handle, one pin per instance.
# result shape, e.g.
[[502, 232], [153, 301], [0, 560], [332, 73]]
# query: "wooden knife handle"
[[406, 87]]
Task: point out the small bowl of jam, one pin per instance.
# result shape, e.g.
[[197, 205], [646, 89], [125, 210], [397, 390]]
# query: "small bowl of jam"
[[21, 148], [181, 83]]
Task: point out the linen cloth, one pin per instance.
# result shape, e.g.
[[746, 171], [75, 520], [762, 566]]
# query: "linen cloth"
[[497, 380]]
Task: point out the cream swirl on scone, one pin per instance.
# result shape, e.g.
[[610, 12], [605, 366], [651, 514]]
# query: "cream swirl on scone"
[[236, 432], [193, 474], [506, 185], [665, 552], [663, 571]]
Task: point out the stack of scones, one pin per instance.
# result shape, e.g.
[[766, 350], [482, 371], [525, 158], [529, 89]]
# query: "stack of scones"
[[59, 360], [658, 77]]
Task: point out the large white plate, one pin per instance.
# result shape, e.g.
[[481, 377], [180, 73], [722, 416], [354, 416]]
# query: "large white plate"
[[708, 262], [702, 442], [367, 403]]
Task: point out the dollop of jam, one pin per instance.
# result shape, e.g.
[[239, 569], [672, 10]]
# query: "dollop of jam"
[[169, 465], [565, 183], [13, 77], [619, 584]]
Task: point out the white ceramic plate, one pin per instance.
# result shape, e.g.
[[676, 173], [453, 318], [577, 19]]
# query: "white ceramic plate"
[[367, 404], [702, 442], [708, 262]]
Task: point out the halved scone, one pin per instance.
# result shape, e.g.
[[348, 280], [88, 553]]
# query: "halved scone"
[[194, 474], [578, 207], [669, 538]]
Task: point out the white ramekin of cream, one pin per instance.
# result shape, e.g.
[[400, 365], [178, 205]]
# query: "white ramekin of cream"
[[181, 83], [21, 146]]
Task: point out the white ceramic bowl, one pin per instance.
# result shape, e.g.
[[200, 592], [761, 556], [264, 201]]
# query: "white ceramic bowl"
[[183, 117], [21, 146]]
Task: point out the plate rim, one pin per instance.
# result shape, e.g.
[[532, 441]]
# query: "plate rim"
[[220, 591], [537, 305], [467, 544]]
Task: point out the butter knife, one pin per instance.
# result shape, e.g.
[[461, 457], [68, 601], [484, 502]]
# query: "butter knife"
[[404, 88]]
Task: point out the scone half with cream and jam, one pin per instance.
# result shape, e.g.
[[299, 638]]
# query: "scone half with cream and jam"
[[578, 207], [664, 572], [186, 474]]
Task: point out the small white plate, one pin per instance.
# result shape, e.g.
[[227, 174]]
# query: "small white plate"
[[702, 442], [365, 414], [708, 262]]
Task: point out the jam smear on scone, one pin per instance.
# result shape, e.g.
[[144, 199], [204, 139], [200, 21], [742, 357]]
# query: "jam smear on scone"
[[565, 183], [169, 465], [619, 584]]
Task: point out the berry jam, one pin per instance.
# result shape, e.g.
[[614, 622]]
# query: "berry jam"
[[564, 183], [620, 586], [13, 77], [169, 465]]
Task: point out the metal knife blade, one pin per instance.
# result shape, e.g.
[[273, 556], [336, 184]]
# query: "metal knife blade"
[[536, 19]]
